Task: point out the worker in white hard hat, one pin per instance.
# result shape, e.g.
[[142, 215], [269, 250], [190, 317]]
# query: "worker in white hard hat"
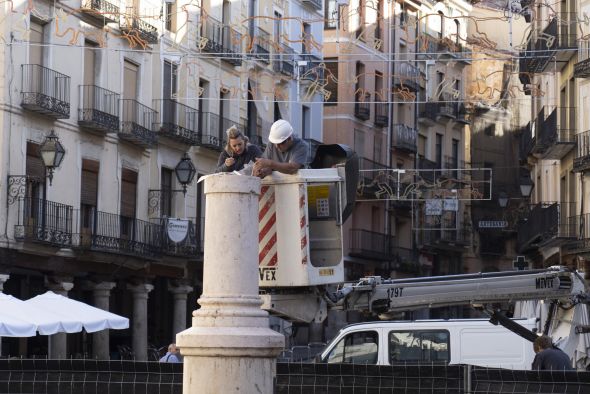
[[285, 152]]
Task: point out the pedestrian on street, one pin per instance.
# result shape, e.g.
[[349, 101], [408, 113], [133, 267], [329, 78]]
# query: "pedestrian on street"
[[549, 357], [172, 356], [238, 152]]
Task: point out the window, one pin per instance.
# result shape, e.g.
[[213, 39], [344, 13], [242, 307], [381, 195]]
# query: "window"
[[252, 13], [169, 93], [332, 14], [278, 27], [421, 145], [332, 79], [305, 47], [89, 62], [130, 75], [355, 348], [378, 144], [88, 192], [379, 27], [438, 150], [306, 122], [170, 16], [128, 201], [419, 346], [36, 37], [166, 192]]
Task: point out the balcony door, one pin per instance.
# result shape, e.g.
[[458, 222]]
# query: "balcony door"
[[32, 206], [128, 202], [89, 98], [169, 91], [88, 200]]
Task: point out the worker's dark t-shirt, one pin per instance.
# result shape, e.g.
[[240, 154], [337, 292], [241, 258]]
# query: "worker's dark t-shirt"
[[552, 359]]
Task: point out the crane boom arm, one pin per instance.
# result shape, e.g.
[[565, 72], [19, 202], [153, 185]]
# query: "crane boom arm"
[[377, 295]]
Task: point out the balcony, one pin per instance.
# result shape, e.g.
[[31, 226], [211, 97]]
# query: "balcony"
[[111, 233], [556, 136], [526, 143], [231, 46], [374, 180], [362, 106], [284, 61], [44, 222], [311, 71], [371, 245], [317, 4], [582, 67], [546, 225], [582, 159], [450, 236], [381, 113], [582, 243], [45, 91], [98, 109], [407, 76], [427, 47], [101, 11], [261, 45], [178, 122], [448, 106], [428, 112], [212, 130], [136, 27], [404, 138], [189, 247], [137, 123], [462, 116]]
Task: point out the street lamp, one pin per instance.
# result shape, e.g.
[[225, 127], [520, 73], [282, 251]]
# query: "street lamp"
[[526, 185], [185, 172], [52, 153]]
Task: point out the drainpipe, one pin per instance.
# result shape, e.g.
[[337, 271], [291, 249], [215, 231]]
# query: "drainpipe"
[[391, 48]]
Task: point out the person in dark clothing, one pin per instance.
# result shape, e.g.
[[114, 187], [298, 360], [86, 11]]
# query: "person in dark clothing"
[[237, 153], [549, 357]]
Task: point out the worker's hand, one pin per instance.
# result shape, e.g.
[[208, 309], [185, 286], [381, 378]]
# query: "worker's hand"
[[229, 161], [261, 173], [262, 163]]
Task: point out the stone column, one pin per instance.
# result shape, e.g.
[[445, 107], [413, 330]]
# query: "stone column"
[[58, 342], [3, 279], [139, 320], [180, 293], [101, 292], [230, 347]]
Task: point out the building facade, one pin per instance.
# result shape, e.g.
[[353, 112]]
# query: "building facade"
[[129, 88]]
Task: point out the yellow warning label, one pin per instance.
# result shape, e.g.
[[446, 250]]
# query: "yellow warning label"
[[317, 192], [326, 271]]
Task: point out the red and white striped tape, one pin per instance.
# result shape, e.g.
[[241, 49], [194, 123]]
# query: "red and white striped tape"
[[267, 230], [303, 223]]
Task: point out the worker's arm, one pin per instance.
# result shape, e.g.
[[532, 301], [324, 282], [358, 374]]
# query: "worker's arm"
[[264, 165]]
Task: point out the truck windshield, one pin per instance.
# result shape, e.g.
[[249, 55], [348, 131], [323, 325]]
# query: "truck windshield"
[[355, 348]]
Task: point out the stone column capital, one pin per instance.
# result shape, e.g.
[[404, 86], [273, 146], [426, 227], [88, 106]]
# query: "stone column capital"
[[94, 286], [3, 279], [179, 289], [141, 289], [59, 285]]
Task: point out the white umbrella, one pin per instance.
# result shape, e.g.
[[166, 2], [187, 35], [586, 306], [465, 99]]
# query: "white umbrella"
[[44, 321], [93, 319], [14, 327]]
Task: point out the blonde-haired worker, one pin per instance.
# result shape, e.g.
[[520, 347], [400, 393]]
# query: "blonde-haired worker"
[[237, 153]]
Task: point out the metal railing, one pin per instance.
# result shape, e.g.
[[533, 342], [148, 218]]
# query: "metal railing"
[[362, 106], [188, 247], [545, 222], [404, 137], [45, 91], [101, 9], [132, 22], [211, 31], [261, 45], [99, 108], [113, 233], [137, 123], [381, 113], [285, 60], [315, 3], [371, 244], [407, 75], [211, 130], [582, 159], [44, 221], [231, 45], [178, 121]]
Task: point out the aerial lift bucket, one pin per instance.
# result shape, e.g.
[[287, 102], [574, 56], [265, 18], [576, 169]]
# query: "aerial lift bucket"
[[300, 221]]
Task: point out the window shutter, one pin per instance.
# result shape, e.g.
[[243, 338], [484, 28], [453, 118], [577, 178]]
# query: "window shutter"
[[89, 184], [35, 166], [128, 192]]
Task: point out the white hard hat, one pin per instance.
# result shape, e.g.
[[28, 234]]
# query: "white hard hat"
[[280, 131]]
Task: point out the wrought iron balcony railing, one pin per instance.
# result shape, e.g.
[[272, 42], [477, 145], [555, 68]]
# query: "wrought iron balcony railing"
[[371, 245], [362, 106], [546, 224], [407, 76], [178, 121], [101, 10], [211, 33], [261, 45], [112, 233], [134, 25], [44, 221], [284, 61], [582, 159], [45, 91], [462, 116], [137, 123], [428, 111], [427, 47], [381, 113], [448, 106], [556, 136], [98, 109], [212, 128], [231, 45], [317, 4], [582, 67], [404, 137], [582, 242]]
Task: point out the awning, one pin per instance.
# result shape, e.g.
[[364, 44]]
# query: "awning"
[[91, 318]]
